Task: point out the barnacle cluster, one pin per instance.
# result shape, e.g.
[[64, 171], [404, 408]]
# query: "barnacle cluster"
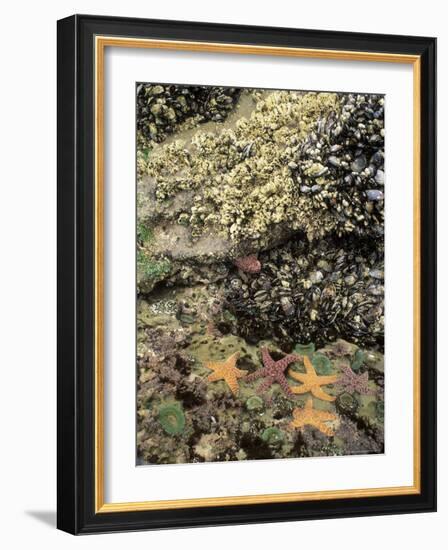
[[312, 160], [241, 177]]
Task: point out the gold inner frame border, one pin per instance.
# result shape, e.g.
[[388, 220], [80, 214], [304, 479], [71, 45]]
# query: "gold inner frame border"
[[100, 44]]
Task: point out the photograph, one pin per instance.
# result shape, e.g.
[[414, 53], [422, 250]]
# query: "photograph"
[[259, 273]]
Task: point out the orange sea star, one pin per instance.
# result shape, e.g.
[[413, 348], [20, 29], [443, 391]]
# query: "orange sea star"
[[312, 382], [226, 370], [312, 417]]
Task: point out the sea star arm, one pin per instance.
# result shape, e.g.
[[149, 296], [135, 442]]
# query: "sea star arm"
[[299, 376], [309, 404], [304, 388], [214, 377], [318, 392], [266, 358], [233, 384], [240, 373], [284, 384], [255, 375], [308, 365], [212, 366], [265, 384], [326, 416], [287, 360], [326, 430]]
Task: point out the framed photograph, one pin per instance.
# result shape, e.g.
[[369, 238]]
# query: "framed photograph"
[[246, 274]]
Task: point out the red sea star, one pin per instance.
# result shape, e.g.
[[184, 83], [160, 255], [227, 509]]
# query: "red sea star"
[[248, 264], [273, 371]]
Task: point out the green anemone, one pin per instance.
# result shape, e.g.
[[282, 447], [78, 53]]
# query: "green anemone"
[[380, 410], [321, 363], [147, 403], [272, 436], [144, 233], [358, 360], [186, 319], [346, 403], [304, 349], [172, 418], [254, 403], [154, 270]]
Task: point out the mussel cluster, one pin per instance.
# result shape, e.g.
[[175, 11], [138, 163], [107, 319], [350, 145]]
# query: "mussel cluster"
[[312, 292], [340, 166], [161, 108]]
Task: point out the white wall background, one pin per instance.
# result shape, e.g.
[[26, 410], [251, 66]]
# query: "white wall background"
[[28, 271]]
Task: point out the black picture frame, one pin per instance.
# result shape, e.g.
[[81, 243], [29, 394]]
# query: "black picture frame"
[[76, 254]]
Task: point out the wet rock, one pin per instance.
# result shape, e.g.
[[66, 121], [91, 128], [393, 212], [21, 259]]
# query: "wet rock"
[[375, 195], [359, 164]]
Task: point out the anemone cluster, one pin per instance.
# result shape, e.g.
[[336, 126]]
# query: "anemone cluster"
[[186, 416]]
